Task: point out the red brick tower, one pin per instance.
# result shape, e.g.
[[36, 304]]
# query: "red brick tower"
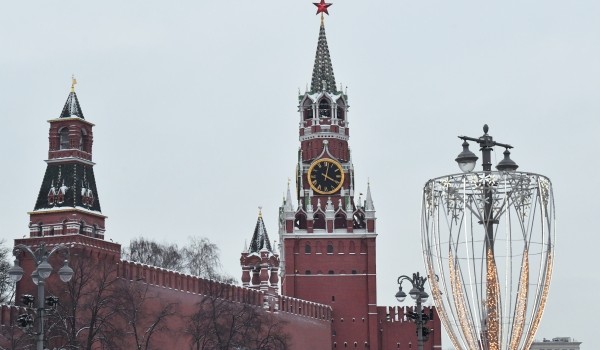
[[260, 263], [328, 241], [68, 201], [67, 209]]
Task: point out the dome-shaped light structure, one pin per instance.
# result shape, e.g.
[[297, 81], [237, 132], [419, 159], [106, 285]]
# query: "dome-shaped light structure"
[[35, 277], [66, 272], [490, 238], [466, 159], [424, 296], [507, 164], [15, 273], [44, 269], [400, 296], [414, 293]]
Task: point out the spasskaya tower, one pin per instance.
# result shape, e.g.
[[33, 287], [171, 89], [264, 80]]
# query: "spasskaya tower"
[[328, 239]]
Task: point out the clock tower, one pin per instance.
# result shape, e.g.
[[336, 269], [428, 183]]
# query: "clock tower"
[[328, 239]]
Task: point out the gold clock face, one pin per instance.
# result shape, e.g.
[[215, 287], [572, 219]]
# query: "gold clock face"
[[325, 176]]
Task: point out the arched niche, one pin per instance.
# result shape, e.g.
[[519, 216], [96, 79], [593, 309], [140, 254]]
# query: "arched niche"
[[324, 108], [319, 221], [84, 141], [341, 109], [63, 138], [300, 221], [307, 109], [340, 220]]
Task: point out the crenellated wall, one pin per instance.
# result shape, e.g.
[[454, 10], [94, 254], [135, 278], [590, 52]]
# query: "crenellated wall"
[[396, 331], [182, 283], [9, 314]]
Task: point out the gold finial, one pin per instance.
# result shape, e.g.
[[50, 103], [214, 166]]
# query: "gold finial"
[[260, 212], [73, 82]]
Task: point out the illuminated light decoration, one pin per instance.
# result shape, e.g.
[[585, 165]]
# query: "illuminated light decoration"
[[435, 290], [544, 296], [492, 302], [489, 297], [521, 305], [459, 300], [322, 7]]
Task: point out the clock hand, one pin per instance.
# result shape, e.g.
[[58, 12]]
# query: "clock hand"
[[327, 177]]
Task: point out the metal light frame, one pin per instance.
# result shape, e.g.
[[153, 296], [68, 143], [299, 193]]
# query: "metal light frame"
[[490, 237]]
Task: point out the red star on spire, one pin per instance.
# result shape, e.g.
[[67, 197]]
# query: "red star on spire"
[[322, 6]]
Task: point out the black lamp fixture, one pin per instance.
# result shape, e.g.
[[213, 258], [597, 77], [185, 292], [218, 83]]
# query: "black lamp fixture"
[[466, 159], [40, 255], [418, 294]]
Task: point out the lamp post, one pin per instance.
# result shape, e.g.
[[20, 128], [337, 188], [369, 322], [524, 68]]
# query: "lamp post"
[[40, 256], [489, 235], [466, 162], [418, 294]]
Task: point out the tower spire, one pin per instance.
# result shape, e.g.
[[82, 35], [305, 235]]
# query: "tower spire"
[[260, 238], [369, 202], [72, 107], [322, 76]]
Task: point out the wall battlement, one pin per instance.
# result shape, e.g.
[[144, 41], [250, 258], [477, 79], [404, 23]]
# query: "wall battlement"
[[184, 283], [9, 314]]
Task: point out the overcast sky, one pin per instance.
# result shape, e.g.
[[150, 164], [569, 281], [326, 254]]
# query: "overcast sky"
[[196, 121]]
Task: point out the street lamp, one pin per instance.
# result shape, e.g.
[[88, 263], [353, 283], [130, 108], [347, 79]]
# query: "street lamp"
[[39, 275], [418, 294], [489, 235]]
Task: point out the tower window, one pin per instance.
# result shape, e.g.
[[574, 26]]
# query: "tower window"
[[307, 248], [64, 138], [340, 221], [307, 109], [331, 272], [324, 108], [340, 112], [307, 272], [83, 141], [329, 248], [319, 221]]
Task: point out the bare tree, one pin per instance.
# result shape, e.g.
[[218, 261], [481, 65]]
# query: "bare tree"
[[7, 287], [143, 313], [221, 324], [148, 252], [14, 338], [86, 312], [202, 257], [199, 257]]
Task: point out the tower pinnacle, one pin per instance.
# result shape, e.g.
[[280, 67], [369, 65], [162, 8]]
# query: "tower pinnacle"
[[322, 8], [73, 82], [72, 107], [323, 78]]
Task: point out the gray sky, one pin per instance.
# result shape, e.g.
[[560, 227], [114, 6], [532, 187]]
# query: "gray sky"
[[195, 107]]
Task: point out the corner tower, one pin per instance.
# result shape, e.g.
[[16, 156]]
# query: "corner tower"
[[68, 200], [328, 240]]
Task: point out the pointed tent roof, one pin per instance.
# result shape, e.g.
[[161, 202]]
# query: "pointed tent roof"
[[323, 69], [260, 238], [72, 107]]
